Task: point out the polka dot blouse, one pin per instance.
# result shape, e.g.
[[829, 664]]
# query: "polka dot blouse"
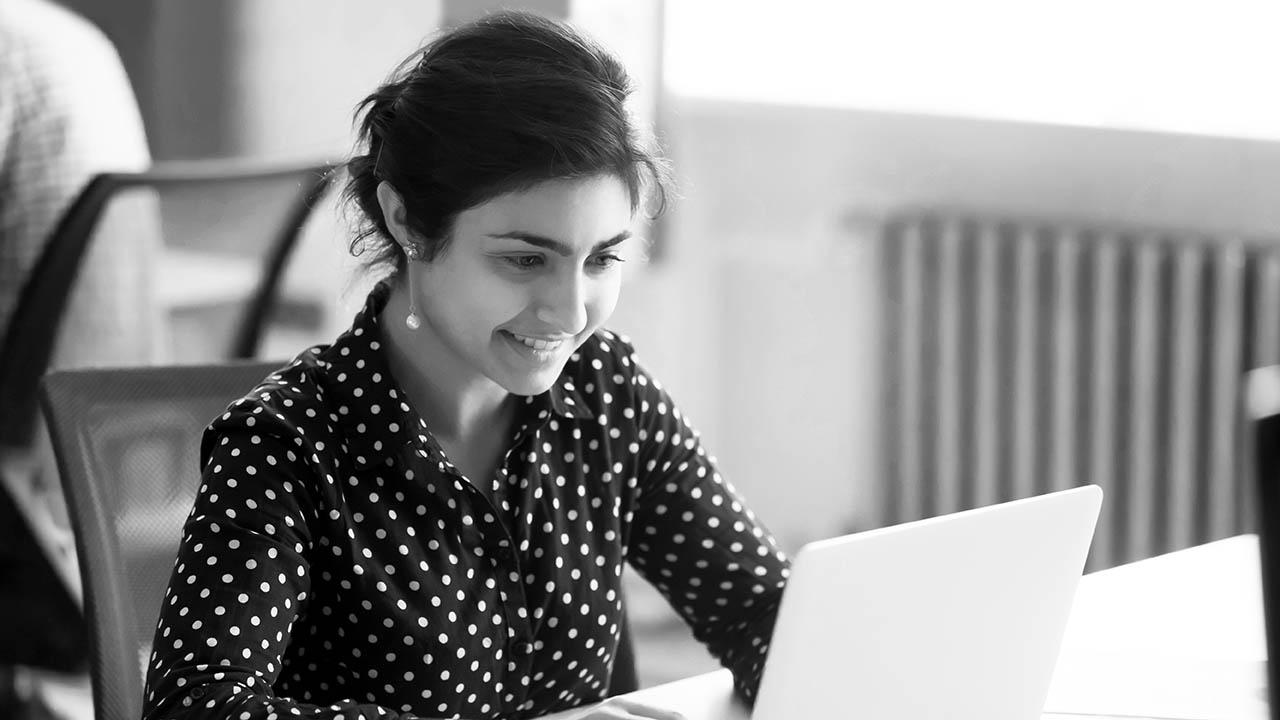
[[336, 564]]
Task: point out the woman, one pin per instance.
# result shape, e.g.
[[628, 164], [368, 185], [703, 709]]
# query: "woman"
[[430, 516]]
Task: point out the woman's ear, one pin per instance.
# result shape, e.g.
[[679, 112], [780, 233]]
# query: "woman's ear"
[[393, 213]]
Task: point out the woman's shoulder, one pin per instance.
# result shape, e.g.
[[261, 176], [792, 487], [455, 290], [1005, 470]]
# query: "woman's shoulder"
[[290, 401]]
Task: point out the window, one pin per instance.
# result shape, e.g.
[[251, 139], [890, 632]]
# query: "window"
[[1206, 67]]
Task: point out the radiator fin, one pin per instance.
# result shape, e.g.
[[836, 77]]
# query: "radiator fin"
[[1025, 357]]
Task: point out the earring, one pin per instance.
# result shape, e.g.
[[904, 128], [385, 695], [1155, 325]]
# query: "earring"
[[412, 321]]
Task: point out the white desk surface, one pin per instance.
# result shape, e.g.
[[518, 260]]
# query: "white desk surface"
[[1175, 637]]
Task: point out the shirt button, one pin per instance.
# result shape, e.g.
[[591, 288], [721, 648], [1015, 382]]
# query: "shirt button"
[[504, 554], [197, 693]]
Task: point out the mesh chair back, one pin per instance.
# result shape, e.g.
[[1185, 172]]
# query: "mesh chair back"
[[127, 444], [221, 235]]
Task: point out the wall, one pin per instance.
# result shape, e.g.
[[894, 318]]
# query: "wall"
[[269, 79], [760, 313], [761, 319]]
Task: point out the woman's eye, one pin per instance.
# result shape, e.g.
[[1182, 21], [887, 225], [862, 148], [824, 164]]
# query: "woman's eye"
[[605, 261], [523, 262]]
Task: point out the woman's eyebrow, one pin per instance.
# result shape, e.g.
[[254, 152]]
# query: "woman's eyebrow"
[[555, 245]]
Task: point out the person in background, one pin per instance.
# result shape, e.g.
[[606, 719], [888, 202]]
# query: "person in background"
[[67, 113], [430, 516]]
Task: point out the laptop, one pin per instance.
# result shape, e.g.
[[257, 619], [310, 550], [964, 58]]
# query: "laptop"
[[954, 617], [958, 617], [1263, 402]]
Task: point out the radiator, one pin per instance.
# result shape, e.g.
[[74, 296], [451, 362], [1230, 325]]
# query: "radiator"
[[1023, 357]]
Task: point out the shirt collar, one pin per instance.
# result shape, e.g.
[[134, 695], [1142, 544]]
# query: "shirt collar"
[[562, 400], [563, 397], [360, 353]]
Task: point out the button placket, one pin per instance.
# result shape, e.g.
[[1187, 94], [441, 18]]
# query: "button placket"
[[501, 549], [498, 545]]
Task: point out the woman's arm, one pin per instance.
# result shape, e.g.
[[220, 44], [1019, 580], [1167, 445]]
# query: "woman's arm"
[[693, 537], [242, 580]]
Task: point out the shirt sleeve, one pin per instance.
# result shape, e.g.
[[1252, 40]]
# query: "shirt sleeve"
[[242, 579], [693, 537]]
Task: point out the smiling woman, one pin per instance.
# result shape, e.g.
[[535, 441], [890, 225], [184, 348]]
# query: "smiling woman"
[[528, 277], [429, 517]]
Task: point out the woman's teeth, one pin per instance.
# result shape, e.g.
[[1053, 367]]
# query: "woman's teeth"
[[538, 344]]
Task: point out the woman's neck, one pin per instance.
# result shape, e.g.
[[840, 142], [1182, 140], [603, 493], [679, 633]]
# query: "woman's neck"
[[457, 402]]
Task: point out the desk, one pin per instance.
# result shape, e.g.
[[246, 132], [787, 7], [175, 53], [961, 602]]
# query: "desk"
[[1175, 637]]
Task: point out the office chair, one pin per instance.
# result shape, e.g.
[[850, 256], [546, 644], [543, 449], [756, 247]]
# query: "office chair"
[[1263, 403], [251, 213], [127, 442], [222, 208], [625, 678]]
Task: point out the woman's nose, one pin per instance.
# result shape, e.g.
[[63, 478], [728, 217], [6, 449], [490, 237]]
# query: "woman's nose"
[[563, 305]]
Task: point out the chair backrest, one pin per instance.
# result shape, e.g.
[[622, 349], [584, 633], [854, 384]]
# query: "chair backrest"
[[127, 445], [216, 218], [1263, 403]]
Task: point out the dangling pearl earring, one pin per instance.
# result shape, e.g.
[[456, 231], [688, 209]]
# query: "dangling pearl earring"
[[412, 321]]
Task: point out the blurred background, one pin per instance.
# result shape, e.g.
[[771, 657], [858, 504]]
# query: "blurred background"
[[926, 255]]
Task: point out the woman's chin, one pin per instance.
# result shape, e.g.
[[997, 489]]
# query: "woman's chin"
[[529, 386]]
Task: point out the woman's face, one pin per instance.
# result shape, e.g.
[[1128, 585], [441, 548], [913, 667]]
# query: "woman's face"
[[525, 280]]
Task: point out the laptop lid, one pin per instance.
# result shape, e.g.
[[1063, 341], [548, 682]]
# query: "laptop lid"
[[1263, 404], [958, 616]]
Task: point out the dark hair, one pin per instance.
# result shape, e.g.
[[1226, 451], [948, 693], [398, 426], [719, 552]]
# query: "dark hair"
[[491, 107]]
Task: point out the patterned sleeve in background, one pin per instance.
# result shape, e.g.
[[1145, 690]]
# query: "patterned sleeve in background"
[[695, 540], [67, 113]]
